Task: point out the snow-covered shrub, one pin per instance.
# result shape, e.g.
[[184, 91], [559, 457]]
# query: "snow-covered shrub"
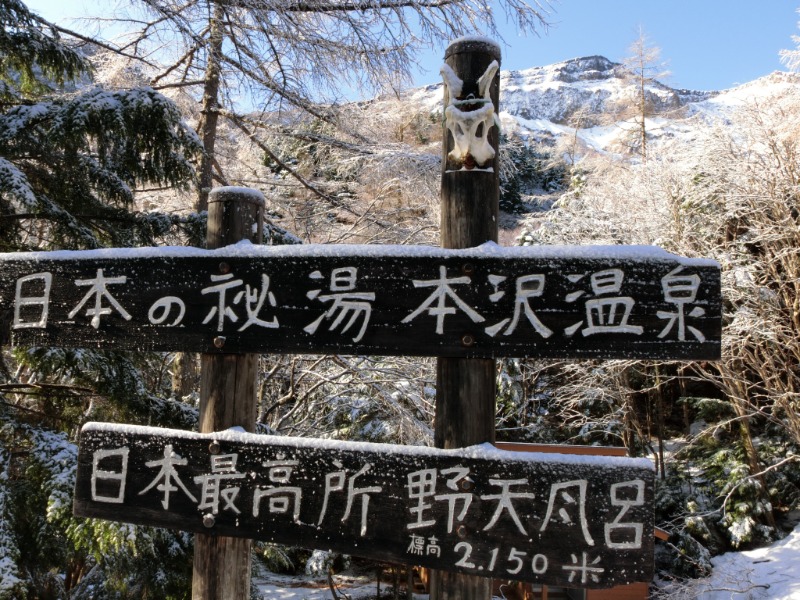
[[527, 167], [277, 558], [12, 584], [322, 562], [690, 558], [730, 194], [358, 398]]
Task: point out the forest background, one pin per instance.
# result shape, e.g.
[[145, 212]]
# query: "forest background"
[[113, 144]]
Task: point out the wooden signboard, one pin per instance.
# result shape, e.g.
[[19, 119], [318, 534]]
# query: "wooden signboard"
[[557, 302], [577, 521]]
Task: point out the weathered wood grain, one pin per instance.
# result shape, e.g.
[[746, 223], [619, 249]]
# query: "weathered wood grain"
[[479, 303], [221, 565], [549, 518]]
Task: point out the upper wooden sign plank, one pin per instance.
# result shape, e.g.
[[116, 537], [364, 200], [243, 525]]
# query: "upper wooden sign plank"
[[577, 521], [553, 302]]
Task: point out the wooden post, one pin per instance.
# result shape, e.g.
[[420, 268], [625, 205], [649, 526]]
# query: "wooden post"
[[227, 399], [470, 193]]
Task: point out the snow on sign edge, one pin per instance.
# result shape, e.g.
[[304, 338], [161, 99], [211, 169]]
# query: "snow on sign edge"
[[246, 249], [484, 451]]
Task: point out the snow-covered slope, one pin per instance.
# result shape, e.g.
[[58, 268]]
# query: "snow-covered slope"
[[777, 83], [580, 89], [771, 573], [596, 96]]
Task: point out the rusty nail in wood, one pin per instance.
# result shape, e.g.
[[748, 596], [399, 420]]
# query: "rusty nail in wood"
[[461, 531], [213, 447], [219, 341], [467, 340], [224, 268], [208, 521], [466, 484], [468, 269]]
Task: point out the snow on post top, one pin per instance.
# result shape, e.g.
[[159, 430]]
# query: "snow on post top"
[[492, 46], [254, 196]]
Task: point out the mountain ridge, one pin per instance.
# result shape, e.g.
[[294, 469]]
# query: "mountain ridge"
[[591, 94]]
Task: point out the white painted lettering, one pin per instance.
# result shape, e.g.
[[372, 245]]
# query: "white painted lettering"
[[436, 303], [504, 501], [41, 282], [99, 474], [559, 494], [167, 480], [98, 289], [345, 302], [615, 527]]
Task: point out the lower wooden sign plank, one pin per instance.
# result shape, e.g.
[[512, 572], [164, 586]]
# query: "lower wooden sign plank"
[[577, 521], [562, 302]]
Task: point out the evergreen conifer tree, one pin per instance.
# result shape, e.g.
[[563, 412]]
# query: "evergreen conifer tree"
[[72, 156], [71, 160]]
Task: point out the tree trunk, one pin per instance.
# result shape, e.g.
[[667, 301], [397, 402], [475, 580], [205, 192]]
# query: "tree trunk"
[[210, 115], [184, 374], [750, 449], [465, 390], [660, 425], [227, 399], [643, 114]]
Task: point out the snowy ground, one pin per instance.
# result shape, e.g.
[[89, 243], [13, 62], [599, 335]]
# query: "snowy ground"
[[771, 573], [283, 587]]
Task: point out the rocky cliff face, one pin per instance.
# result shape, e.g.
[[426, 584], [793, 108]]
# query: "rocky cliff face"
[[590, 85], [582, 90], [598, 97]]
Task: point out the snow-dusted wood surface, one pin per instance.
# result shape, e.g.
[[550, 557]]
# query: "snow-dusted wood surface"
[[581, 521], [561, 302], [228, 398]]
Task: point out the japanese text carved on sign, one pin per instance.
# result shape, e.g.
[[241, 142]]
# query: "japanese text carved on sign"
[[572, 303], [557, 519]]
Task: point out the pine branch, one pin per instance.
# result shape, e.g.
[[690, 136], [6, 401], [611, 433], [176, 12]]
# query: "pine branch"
[[187, 58], [92, 41], [789, 459], [374, 5], [238, 122], [178, 84], [43, 389]]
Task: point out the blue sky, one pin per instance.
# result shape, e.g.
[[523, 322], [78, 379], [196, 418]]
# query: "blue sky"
[[706, 44]]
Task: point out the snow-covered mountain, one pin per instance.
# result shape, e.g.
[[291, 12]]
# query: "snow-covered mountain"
[[582, 88], [596, 96]]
